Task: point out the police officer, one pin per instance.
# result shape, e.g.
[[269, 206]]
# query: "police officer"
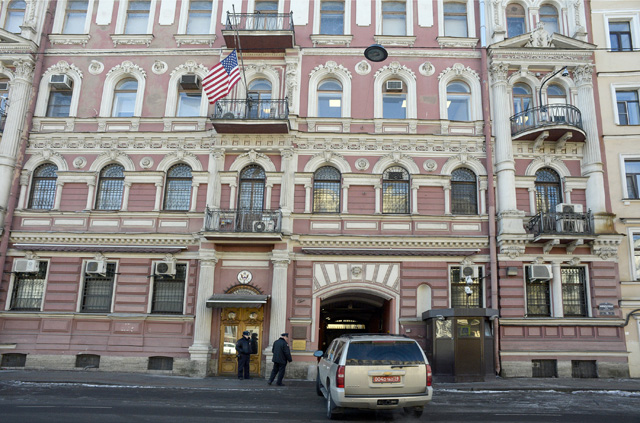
[[243, 348], [281, 356]]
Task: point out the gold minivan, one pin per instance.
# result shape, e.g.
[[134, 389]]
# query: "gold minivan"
[[374, 371]]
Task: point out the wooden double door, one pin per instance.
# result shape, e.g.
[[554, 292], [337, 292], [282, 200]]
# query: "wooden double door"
[[234, 321]]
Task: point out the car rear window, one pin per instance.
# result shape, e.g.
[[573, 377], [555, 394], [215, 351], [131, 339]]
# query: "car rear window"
[[376, 353]]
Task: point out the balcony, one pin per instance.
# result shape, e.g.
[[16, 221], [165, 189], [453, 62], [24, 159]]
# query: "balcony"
[[262, 224], [264, 32], [553, 122], [251, 116], [556, 228]]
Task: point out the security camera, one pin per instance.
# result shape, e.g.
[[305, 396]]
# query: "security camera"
[[565, 72]]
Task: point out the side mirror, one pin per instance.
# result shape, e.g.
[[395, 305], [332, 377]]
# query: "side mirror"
[[318, 353]]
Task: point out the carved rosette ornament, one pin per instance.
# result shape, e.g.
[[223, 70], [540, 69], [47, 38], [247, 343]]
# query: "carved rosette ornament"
[[362, 164], [363, 68], [96, 67], [427, 69], [79, 162]]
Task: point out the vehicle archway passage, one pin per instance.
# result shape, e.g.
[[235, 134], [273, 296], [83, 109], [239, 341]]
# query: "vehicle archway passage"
[[353, 312]]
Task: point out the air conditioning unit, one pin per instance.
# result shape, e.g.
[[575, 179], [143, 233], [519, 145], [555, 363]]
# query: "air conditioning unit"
[[4, 86], [264, 226], [571, 221], [96, 267], [166, 268], [568, 208], [60, 82], [394, 85], [190, 82], [540, 272], [473, 271], [26, 266]]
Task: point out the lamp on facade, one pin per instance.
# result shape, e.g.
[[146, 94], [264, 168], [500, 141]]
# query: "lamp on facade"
[[375, 53], [565, 72]]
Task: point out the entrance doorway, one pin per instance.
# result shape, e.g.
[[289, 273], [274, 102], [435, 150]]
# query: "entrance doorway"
[[234, 321], [355, 312]]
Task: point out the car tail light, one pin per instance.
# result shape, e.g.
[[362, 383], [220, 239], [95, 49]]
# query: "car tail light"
[[429, 375], [340, 377]]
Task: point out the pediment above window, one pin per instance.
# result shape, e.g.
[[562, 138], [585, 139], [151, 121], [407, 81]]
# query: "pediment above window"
[[15, 43], [541, 39]]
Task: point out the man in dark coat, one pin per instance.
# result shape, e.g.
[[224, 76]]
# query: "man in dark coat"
[[281, 356], [243, 348]]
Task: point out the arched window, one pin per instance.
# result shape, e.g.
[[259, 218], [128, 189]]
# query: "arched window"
[[15, 16], [124, 98], [458, 101], [59, 103], [259, 96], [464, 192], [43, 187], [394, 99], [332, 17], [178, 191], [394, 18], [189, 97], [251, 191], [522, 98], [516, 24], [326, 190], [548, 192], [455, 19], [110, 188], [199, 21], [556, 94], [549, 16], [330, 98], [395, 190]]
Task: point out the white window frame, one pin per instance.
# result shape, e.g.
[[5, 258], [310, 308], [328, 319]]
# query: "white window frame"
[[623, 175], [468, 76], [341, 74], [614, 97], [113, 77], [408, 19], [153, 289], [408, 78], [251, 6], [82, 283], [122, 17], [171, 108], [632, 268], [471, 22], [5, 7], [12, 282], [61, 11], [184, 18], [45, 90], [634, 26], [347, 17]]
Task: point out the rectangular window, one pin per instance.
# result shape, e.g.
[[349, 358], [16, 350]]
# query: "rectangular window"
[[460, 296], [394, 106], [98, 291], [28, 289], [620, 36], [394, 18], [628, 107], [137, 17], [632, 175], [332, 17], [59, 103], [189, 104], [574, 292], [538, 297], [75, 17], [455, 19], [636, 255], [168, 292], [199, 21]]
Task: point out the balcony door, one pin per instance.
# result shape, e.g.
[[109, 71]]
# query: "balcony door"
[[250, 198], [548, 190], [259, 99]]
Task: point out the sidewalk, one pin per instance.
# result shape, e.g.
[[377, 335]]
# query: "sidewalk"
[[96, 377]]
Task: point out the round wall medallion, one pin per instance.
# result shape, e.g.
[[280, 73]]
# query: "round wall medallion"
[[79, 162], [159, 67], [146, 162], [96, 68], [363, 67], [362, 164], [245, 276], [427, 69], [430, 165]]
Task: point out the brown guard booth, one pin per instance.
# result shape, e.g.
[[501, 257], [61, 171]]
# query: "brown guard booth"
[[460, 343]]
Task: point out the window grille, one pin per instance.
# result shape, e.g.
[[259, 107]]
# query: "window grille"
[[395, 190], [574, 292], [459, 298], [544, 368], [28, 289], [168, 292], [110, 188], [538, 297], [464, 192], [88, 360], [326, 190], [43, 187], [178, 193], [160, 363], [98, 291], [548, 192], [13, 360]]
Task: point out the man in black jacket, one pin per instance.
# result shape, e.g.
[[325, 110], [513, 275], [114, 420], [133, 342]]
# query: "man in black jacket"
[[243, 348], [281, 356]]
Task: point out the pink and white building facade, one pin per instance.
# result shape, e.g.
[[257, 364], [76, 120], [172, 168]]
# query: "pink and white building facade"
[[453, 192]]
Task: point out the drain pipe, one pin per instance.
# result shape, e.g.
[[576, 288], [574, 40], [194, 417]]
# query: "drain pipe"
[[491, 209], [24, 139]]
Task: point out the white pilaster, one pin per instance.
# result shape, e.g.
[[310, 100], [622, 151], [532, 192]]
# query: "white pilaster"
[[278, 319], [24, 185], [556, 288], [378, 200], [125, 196], [216, 165], [58, 196], [201, 348], [345, 198], [158, 204], [307, 197], [90, 194], [194, 196]]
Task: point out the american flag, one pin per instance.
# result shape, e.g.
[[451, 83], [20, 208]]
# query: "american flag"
[[221, 78]]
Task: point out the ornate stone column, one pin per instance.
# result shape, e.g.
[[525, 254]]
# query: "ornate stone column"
[[278, 318], [201, 349], [20, 94], [592, 166], [216, 165], [509, 217], [232, 194], [532, 201], [268, 187]]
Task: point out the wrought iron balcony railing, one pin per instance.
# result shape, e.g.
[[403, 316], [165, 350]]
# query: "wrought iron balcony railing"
[[561, 223], [252, 109], [260, 21], [545, 116], [240, 220]]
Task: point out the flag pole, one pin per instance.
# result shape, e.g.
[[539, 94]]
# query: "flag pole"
[[239, 49]]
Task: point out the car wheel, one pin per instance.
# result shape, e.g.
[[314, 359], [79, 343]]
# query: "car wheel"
[[331, 406], [414, 411], [318, 386]]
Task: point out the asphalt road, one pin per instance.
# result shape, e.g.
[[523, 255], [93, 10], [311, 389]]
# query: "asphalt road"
[[34, 402]]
